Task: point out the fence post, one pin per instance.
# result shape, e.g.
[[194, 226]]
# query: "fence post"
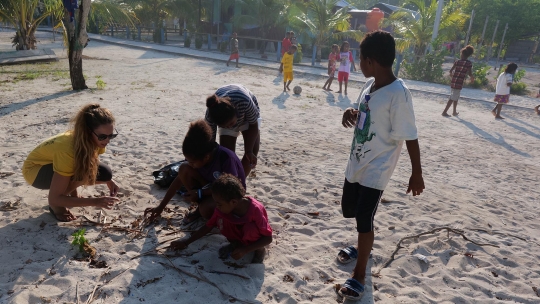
[[399, 59], [139, 32], [112, 30], [209, 42], [313, 55], [353, 56], [162, 35], [278, 54], [127, 32]]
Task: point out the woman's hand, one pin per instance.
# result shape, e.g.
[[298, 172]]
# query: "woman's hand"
[[113, 188], [106, 202], [179, 245], [349, 117], [154, 213]]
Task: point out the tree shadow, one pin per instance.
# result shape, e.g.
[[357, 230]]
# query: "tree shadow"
[[10, 108], [485, 135], [280, 100]]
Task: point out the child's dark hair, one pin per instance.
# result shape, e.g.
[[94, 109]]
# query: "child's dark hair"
[[379, 46], [467, 51], [220, 109], [511, 68], [343, 44], [335, 46], [199, 140], [294, 47], [228, 187]]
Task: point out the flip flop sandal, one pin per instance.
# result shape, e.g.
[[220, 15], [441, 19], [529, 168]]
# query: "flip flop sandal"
[[350, 252], [53, 214], [351, 284]]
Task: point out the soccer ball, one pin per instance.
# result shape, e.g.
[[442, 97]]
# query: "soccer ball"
[[297, 90]]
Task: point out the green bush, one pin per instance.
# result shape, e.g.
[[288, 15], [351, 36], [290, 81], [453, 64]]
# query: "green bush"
[[480, 71], [187, 42], [223, 46], [428, 68], [519, 88], [198, 42], [519, 75], [298, 55]]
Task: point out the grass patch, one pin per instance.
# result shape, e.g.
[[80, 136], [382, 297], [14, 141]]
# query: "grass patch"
[[100, 84]]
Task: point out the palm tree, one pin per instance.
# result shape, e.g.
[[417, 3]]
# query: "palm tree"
[[25, 17], [322, 22], [416, 30]]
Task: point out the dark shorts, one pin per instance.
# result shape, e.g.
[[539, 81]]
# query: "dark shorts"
[[360, 202], [44, 178]]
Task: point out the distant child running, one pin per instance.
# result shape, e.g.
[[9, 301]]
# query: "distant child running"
[[459, 72], [234, 50], [241, 219], [345, 61], [205, 162], [383, 120], [332, 58], [287, 67], [502, 92]]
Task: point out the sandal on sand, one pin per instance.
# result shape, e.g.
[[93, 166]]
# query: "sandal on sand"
[[352, 285], [347, 255], [59, 219], [225, 251], [191, 217]]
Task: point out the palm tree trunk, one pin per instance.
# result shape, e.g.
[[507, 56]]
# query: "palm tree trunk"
[[319, 54], [78, 39]]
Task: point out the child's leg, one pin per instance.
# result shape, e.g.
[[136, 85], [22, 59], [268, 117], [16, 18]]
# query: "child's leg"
[[448, 104], [237, 61], [494, 111], [340, 84], [499, 111], [455, 113], [285, 86], [288, 84], [330, 83], [346, 82], [326, 83], [228, 142]]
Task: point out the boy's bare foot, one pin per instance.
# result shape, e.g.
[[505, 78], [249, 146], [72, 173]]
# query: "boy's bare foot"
[[499, 117], [445, 114], [285, 90], [258, 256], [339, 92], [62, 214], [329, 90], [455, 114], [288, 89]]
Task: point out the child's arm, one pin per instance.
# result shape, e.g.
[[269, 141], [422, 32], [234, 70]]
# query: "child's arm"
[[352, 61], [471, 75], [452, 70], [281, 67], [156, 212], [182, 244], [238, 253], [416, 182]]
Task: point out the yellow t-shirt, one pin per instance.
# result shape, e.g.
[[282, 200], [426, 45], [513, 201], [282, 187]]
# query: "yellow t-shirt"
[[57, 150], [287, 61]]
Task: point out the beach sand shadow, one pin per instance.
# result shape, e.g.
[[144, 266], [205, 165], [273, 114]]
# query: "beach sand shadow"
[[10, 108], [280, 100], [485, 135], [342, 101], [522, 129]]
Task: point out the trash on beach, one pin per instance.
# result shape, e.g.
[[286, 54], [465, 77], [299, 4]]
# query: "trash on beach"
[[421, 257]]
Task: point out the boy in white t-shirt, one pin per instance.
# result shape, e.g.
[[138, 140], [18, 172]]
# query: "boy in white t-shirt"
[[502, 92], [383, 120]]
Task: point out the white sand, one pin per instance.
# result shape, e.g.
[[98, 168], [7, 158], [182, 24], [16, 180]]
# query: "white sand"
[[480, 173]]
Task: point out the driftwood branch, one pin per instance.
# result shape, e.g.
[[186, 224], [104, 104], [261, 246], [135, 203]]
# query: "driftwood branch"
[[99, 288], [202, 278], [448, 230]]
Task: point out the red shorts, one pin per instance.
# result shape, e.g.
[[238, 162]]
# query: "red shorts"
[[342, 76], [234, 56]]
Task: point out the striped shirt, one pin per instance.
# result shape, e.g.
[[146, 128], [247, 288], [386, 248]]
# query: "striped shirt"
[[245, 103], [461, 68]]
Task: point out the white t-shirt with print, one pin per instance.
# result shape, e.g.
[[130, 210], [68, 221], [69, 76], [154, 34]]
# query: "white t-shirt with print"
[[502, 84], [384, 122], [345, 59]]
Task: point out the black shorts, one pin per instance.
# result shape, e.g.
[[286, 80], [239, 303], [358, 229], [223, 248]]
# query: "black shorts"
[[360, 202], [44, 178]]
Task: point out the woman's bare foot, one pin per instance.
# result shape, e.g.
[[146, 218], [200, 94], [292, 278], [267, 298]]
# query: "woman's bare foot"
[[62, 214]]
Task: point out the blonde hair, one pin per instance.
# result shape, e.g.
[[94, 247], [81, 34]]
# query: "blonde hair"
[[89, 117]]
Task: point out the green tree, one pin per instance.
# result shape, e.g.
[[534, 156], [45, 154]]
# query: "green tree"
[[25, 16], [322, 22], [416, 31]]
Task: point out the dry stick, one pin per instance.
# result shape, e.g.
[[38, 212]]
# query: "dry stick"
[[201, 278], [91, 299], [230, 273], [91, 296], [448, 229], [77, 293], [288, 210]]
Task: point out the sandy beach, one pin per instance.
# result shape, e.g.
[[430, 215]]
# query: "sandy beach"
[[482, 178]]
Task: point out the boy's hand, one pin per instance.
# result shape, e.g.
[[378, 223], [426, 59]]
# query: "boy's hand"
[[238, 253], [416, 184], [349, 118], [154, 213], [179, 245]]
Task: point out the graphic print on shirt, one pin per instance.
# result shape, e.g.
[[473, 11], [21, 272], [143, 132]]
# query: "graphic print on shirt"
[[361, 132]]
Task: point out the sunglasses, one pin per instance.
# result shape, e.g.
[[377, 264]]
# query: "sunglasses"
[[102, 137]]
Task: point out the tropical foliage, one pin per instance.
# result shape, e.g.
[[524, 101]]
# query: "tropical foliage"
[[416, 31]]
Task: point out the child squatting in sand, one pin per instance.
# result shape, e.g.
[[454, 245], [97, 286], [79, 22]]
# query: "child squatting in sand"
[[241, 219]]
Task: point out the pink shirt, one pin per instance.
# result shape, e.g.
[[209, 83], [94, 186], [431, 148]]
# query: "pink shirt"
[[246, 229], [285, 45]]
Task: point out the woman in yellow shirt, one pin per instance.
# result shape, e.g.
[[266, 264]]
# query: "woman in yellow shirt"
[[71, 159]]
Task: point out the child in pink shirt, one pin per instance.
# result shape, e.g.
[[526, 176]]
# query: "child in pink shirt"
[[332, 58], [241, 219]]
